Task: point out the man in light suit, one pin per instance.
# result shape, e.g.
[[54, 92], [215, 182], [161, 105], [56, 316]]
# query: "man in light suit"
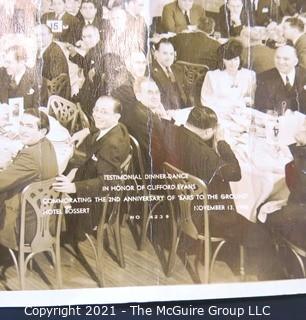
[[166, 78], [105, 148], [18, 81], [179, 14], [64, 26], [293, 29], [35, 162], [283, 87]]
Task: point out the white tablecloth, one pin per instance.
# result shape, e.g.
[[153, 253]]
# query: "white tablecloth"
[[262, 162]]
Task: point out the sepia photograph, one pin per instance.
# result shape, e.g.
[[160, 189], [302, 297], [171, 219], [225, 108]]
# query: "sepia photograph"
[[152, 143]]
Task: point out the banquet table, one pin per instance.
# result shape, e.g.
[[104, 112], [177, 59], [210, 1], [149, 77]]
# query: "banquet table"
[[262, 157], [58, 135]]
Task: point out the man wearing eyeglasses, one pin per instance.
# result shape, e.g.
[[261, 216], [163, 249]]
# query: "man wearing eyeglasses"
[[28, 166], [101, 152]]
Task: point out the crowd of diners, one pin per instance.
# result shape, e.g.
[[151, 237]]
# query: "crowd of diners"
[[255, 54]]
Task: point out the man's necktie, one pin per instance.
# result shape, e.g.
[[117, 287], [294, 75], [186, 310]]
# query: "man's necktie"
[[187, 18], [13, 83], [288, 84], [170, 74]]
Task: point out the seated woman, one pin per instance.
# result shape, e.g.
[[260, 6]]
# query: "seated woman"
[[230, 86]]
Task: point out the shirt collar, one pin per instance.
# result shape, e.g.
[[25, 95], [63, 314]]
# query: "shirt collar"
[[290, 75], [19, 76], [103, 132]]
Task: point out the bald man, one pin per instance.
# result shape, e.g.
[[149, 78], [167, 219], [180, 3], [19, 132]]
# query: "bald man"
[[283, 87]]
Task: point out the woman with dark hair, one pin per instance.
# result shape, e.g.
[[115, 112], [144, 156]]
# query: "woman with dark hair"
[[230, 85]]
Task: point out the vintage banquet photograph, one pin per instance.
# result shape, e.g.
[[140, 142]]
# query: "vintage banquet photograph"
[[151, 143]]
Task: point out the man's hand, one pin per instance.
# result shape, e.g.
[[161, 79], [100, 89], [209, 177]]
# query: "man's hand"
[[79, 136], [91, 74], [63, 184], [72, 50]]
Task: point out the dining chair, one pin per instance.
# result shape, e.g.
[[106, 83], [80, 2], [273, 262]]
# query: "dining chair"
[[41, 204], [59, 86], [182, 223], [110, 220], [137, 167], [69, 115], [193, 75]]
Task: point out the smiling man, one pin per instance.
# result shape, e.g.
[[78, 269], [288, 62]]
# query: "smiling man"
[[166, 77], [28, 166], [283, 87], [104, 149], [17, 80]]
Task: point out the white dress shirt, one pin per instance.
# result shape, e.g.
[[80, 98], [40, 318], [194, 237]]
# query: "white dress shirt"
[[290, 75]]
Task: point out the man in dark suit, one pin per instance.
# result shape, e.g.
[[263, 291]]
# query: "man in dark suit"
[[255, 55], [65, 27], [233, 16], [16, 80], [266, 11], [136, 66], [292, 7], [35, 162], [89, 15], [105, 149], [51, 62], [293, 29], [93, 68], [178, 15], [290, 221], [166, 78], [198, 154], [206, 47], [147, 121], [283, 87]]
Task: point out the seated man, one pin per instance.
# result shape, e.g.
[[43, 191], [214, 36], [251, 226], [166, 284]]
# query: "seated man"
[[51, 62], [290, 221], [266, 11], [293, 29], [166, 77], [255, 55], [73, 7], [65, 27], [89, 16], [283, 87], [206, 47], [104, 150], [147, 121], [35, 162], [232, 17], [136, 66], [16, 80], [178, 15], [93, 68], [136, 22], [202, 152]]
